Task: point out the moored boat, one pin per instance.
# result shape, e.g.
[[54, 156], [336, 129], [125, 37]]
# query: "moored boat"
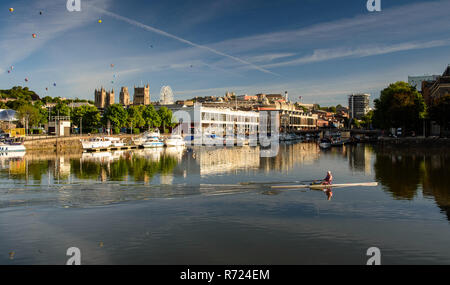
[[175, 140], [152, 142], [96, 142], [325, 143], [115, 142], [11, 146]]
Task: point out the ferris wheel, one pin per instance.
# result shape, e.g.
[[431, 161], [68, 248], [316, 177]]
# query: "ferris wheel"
[[166, 95]]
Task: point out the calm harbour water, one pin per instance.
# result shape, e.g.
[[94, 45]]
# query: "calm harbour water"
[[175, 206]]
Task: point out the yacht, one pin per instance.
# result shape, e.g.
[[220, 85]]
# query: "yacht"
[[146, 136], [175, 140], [96, 142], [151, 142], [115, 142]]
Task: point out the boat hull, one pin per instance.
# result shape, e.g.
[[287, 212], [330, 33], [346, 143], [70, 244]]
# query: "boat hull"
[[12, 148], [153, 144], [324, 145]]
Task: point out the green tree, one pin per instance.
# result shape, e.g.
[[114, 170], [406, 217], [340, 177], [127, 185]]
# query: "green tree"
[[60, 109], [88, 116], [166, 117], [116, 114], [151, 117], [367, 119], [399, 105], [15, 105], [29, 116], [47, 99], [39, 105], [134, 117], [440, 112]]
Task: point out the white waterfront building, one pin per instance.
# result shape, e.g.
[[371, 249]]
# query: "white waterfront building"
[[220, 121]]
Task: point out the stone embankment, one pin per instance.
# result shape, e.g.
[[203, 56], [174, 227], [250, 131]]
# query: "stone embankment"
[[70, 144], [414, 141]]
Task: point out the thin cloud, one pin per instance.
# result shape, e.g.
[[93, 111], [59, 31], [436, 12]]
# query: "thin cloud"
[[330, 54], [161, 32]]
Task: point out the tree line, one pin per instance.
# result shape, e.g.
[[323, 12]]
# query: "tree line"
[[32, 113], [401, 106]]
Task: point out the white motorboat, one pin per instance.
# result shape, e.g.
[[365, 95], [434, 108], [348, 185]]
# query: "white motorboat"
[[213, 139], [325, 143], [96, 142], [115, 142], [152, 142], [12, 147], [154, 133], [147, 136], [175, 140]]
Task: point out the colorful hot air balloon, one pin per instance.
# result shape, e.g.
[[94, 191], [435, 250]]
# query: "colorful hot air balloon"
[[99, 21], [46, 88], [12, 67], [9, 71], [34, 36], [112, 65], [11, 10], [26, 79]]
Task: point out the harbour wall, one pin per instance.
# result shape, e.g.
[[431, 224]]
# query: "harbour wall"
[[414, 141], [70, 144]]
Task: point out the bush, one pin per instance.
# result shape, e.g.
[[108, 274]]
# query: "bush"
[[116, 130], [136, 131]]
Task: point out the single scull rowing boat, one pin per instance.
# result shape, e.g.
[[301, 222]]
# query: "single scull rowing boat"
[[320, 186]]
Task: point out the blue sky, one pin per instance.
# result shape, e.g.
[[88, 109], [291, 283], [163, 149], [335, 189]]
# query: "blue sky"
[[319, 49]]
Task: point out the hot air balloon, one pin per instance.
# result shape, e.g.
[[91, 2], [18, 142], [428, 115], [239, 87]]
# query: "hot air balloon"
[[40, 12], [54, 84], [11, 10], [9, 71], [12, 67], [34, 36], [100, 21], [26, 79], [112, 65], [46, 88]]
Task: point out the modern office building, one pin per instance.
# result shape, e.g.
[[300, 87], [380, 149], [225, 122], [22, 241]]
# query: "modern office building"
[[218, 121], [359, 105]]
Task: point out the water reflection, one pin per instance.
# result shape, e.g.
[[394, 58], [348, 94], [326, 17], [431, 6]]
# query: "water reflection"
[[289, 156], [173, 172], [403, 173]]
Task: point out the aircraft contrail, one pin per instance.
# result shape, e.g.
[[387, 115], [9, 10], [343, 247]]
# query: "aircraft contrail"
[[158, 31]]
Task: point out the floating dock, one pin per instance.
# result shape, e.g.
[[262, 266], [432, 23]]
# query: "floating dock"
[[113, 148]]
